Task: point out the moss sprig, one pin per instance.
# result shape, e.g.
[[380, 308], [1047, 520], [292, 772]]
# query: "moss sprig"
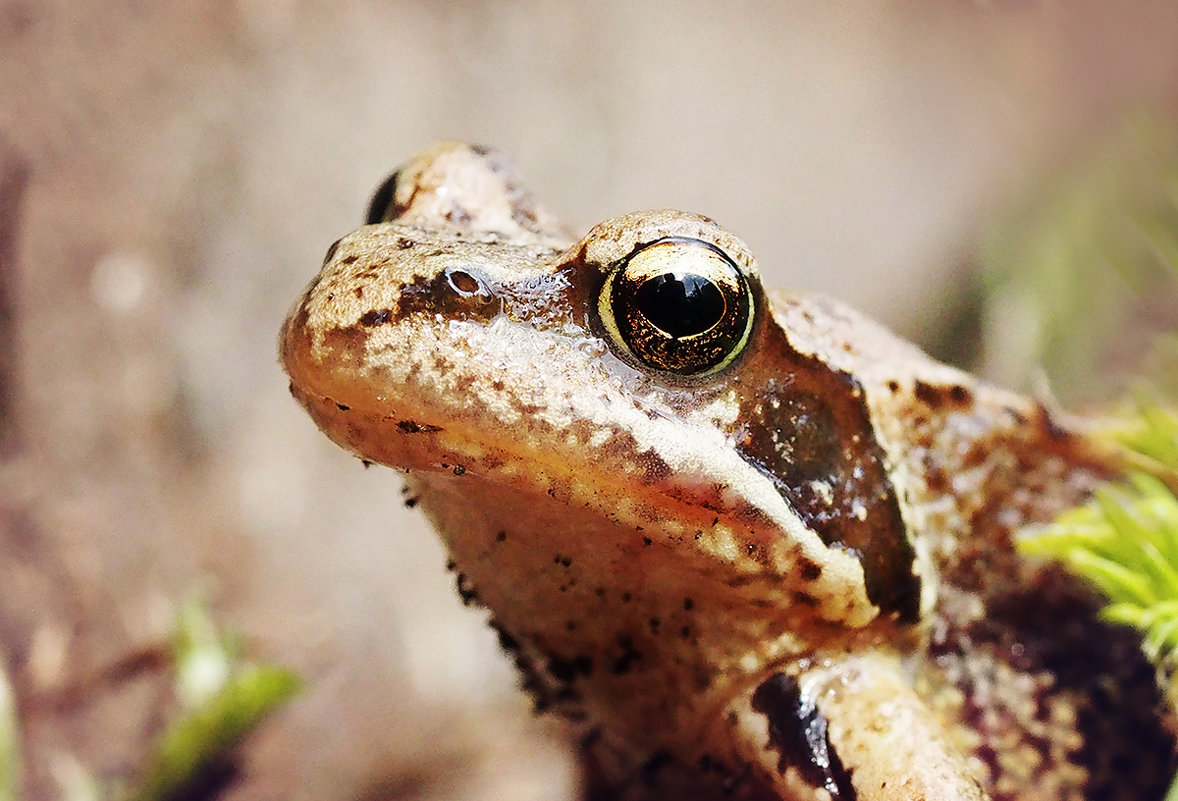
[[1125, 539]]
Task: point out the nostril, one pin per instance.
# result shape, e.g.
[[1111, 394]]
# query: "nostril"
[[467, 285]]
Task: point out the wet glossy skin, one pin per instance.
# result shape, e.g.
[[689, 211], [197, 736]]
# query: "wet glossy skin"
[[768, 558]]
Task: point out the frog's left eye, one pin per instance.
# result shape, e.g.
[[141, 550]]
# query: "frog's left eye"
[[381, 207], [678, 305]]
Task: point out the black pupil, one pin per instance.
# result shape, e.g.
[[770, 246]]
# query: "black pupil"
[[680, 304]]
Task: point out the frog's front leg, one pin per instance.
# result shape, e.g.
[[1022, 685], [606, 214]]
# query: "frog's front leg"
[[854, 727]]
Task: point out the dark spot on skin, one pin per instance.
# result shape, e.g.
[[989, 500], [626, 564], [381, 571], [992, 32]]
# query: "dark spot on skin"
[[506, 641], [688, 604], [342, 407], [457, 215], [501, 536], [936, 480], [466, 590], [808, 570], [413, 427], [960, 395], [628, 656], [797, 729], [894, 386], [376, 317], [352, 259], [627, 597], [599, 592], [805, 599], [567, 670], [411, 501], [563, 561], [926, 394], [685, 632], [459, 470], [654, 624], [938, 396], [591, 738], [647, 541]]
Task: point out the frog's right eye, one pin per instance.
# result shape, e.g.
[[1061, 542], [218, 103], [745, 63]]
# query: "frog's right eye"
[[678, 305], [382, 207]]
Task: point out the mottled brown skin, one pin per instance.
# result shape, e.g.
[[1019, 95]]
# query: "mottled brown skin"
[[787, 577]]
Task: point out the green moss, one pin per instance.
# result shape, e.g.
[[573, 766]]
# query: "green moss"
[[9, 741], [196, 748], [223, 698], [1125, 540]]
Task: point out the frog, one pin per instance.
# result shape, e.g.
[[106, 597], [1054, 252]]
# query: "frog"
[[747, 544]]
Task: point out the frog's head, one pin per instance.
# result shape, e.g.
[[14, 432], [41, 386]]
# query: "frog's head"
[[637, 379], [686, 501]]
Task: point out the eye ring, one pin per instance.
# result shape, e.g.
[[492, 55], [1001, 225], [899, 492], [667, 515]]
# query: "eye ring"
[[678, 305]]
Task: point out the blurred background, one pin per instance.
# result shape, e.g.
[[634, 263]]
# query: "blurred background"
[[998, 180]]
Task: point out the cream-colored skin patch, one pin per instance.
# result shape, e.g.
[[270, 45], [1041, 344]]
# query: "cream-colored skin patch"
[[656, 546]]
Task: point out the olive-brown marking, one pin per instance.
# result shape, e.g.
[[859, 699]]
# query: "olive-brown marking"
[[1046, 625], [807, 428], [567, 670]]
